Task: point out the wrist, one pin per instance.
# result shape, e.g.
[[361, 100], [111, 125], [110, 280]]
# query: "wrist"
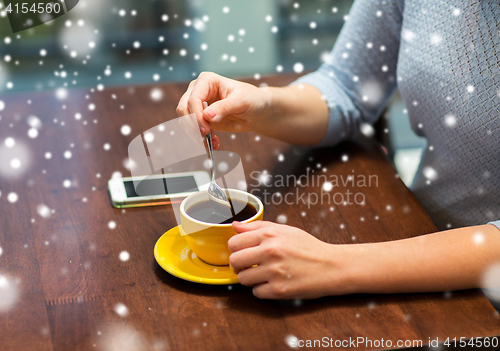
[[268, 108], [347, 268]]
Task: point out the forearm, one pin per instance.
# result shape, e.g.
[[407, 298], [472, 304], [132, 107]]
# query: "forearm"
[[296, 114], [450, 260]]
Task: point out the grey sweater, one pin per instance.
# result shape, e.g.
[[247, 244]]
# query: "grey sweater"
[[443, 55]]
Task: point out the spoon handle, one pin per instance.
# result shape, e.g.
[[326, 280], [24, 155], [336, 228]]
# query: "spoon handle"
[[211, 152], [210, 147]]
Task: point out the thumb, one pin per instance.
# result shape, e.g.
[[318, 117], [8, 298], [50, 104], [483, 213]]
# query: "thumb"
[[220, 109], [240, 227]]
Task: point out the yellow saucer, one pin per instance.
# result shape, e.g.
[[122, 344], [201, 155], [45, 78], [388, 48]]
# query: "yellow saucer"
[[174, 255]]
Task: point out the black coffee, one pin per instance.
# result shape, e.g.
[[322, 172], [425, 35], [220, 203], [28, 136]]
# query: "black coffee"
[[203, 211]]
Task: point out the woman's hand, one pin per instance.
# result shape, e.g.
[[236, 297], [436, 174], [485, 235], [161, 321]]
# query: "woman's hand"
[[284, 262], [233, 106], [295, 114]]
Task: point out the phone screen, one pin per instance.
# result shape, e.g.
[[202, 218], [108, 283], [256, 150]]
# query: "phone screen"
[[161, 186]]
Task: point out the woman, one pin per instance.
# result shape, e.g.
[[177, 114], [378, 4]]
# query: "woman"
[[443, 57]]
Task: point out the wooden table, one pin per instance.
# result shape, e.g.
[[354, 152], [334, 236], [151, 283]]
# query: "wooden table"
[[62, 276]]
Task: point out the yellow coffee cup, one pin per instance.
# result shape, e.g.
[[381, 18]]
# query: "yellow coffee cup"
[[208, 240]]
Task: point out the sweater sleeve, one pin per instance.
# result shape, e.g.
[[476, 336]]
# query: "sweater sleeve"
[[495, 223], [359, 76]]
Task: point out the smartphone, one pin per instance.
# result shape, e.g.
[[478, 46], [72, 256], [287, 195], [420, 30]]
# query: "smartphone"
[[158, 189]]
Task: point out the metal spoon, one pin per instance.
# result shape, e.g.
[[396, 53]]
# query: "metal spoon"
[[218, 199]]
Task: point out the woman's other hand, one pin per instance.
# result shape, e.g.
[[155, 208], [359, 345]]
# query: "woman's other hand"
[[284, 262]]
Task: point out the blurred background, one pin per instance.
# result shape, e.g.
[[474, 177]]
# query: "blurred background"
[[110, 42]]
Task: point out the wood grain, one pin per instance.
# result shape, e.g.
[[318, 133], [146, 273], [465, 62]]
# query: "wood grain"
[[69, 277]]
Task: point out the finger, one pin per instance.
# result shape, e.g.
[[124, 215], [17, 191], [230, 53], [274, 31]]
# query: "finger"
[[242, 241], [253, 276], [182, 106], [263, 291], [200, 94], [246, 258], [220, 109], [215, 139], [240, 227], [216, 142]]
